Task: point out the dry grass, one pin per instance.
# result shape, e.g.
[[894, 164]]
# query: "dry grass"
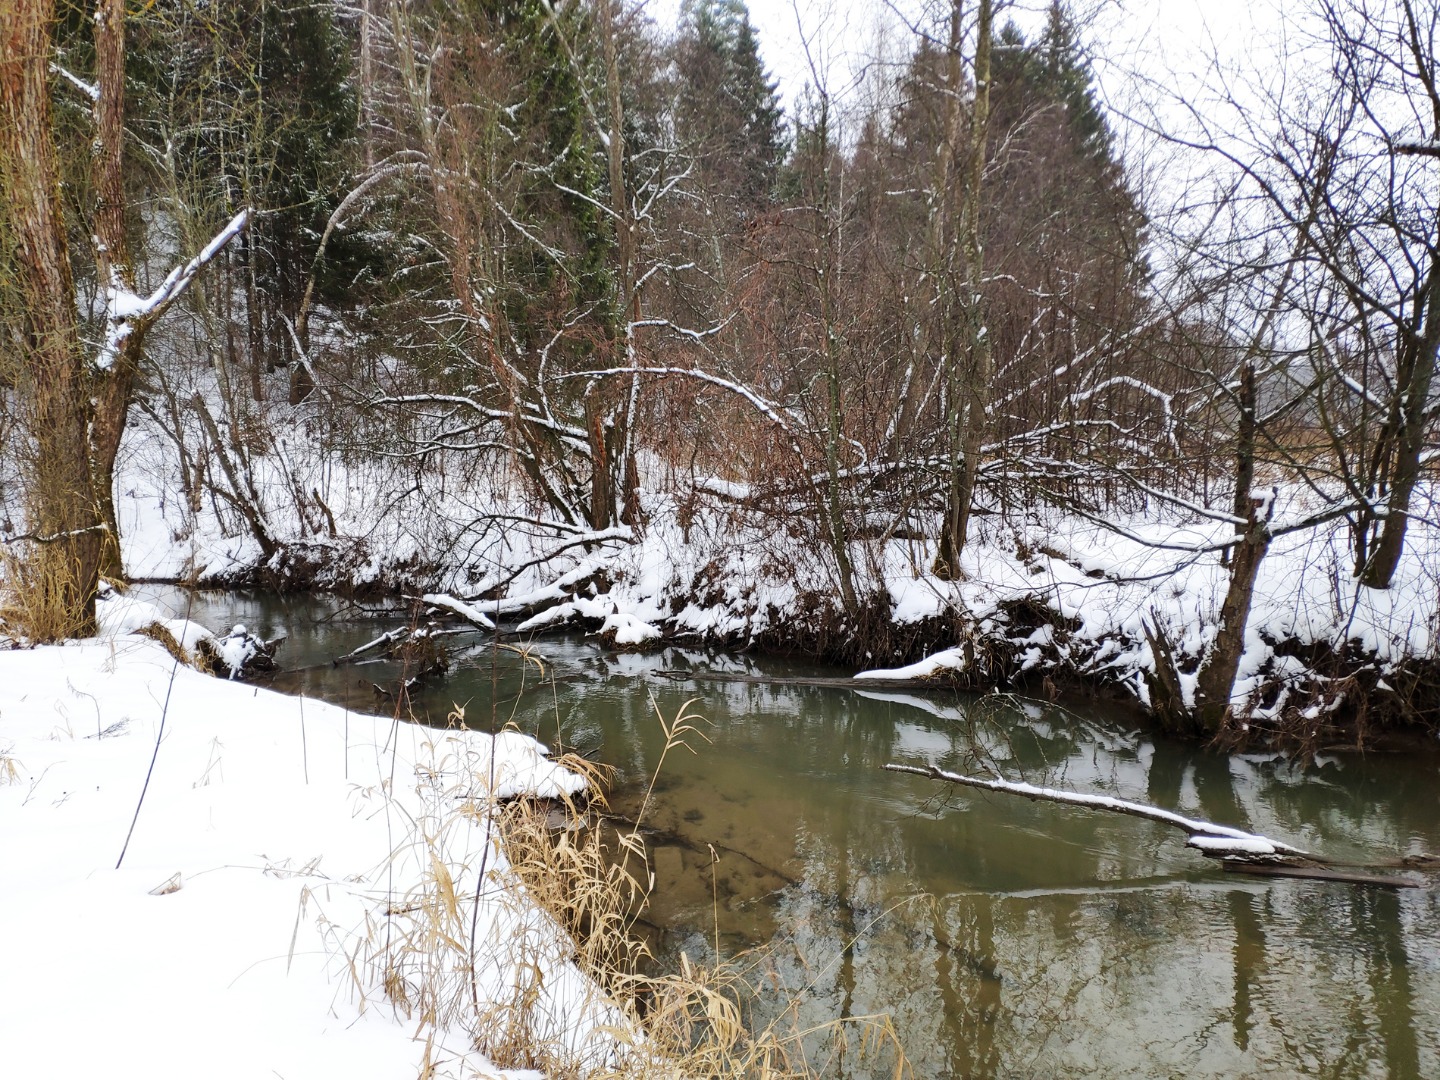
[[9, 768], [521, 932], [160, 632], [37, 591]]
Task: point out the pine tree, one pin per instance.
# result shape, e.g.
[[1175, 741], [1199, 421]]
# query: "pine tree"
[[1063, 74], [730, 114]]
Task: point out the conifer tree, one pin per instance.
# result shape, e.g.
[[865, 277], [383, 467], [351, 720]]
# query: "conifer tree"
[[729, 113]]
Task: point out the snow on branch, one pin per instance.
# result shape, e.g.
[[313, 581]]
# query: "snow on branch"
[[1205, 836], [766, 408], [124, 311], [53, 538], [1166, 400], [90, 90], [682, 331], [458, 607], [1422, 149]]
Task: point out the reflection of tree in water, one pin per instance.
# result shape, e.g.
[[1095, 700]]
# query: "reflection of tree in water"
[[1056, 942]]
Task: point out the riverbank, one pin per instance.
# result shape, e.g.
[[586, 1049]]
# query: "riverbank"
[[1048, 603], [279, 906]]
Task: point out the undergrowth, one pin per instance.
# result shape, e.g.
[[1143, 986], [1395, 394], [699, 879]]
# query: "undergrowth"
[[37, 595]]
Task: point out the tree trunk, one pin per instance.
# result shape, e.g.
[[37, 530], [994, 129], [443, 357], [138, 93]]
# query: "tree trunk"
[[66, 563], [1418, 358], [1216, 680], [624, 474], [115, 386], [938, 296], [969, 394]]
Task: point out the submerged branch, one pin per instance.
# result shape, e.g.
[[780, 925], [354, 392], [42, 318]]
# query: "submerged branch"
[[1206, 836]]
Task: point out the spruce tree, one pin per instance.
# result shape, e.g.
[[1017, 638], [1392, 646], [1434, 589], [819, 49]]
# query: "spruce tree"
[[1063, 74], [729, 114]]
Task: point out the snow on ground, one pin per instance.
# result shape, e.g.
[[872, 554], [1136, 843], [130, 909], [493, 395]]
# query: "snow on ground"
[[280, 856], [705, 568]]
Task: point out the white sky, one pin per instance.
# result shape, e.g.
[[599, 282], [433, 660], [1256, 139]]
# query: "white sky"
[[1168, 41]]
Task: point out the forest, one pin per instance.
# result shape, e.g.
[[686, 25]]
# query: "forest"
[[547, 313], [901, 557]]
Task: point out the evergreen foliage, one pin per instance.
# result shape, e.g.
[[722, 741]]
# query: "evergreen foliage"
[[1060, 156], [729, 111], [254, 105], [565, 182]]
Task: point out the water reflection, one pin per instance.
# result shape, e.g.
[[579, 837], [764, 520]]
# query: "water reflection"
[[1006, 938], [1017, 939]]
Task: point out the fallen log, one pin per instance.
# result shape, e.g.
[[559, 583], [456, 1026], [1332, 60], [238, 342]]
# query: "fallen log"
[[1238, 851], [388, 638], [468, 612], [1319, 873]]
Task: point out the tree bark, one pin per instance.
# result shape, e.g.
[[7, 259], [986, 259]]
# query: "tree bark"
[[1408, 421], [115, 386], [624, 474], [61, 496], [1215, 682], [969, 390]]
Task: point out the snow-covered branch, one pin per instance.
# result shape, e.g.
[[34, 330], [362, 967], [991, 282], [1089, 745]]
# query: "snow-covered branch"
[[766, 408], [466, 611], [1205, 836], [1429, 148], [125, 311], [90, 90]]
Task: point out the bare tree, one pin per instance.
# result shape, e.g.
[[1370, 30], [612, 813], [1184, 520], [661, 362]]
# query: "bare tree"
[[78, 403]]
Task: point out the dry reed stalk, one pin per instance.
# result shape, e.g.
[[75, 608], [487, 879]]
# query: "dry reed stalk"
[[37, 594], [556, 899]]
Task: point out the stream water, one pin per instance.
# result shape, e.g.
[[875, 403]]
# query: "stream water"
[[1005, 938]]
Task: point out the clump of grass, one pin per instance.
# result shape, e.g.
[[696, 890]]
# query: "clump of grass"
[[9, 767], [157, 631], [40, 594], [520, 931]]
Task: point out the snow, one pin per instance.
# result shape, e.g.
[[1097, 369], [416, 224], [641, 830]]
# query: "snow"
[[237, 648], [1231, 845], [707, 567], [466, 611], [89, 89], [629, 630], [123, 307], [929, 668], [245, 932]]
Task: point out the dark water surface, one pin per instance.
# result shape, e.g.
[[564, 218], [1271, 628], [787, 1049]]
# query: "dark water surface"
[[1006, 938]]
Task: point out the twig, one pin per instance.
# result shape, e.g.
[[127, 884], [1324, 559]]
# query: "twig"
[[159, 737]]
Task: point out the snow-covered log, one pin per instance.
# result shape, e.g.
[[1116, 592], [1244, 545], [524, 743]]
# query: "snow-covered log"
[[1219, 841], [1236, 848], [468, 612]]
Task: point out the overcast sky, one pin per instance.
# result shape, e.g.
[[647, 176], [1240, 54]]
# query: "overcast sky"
[[1132, 41]]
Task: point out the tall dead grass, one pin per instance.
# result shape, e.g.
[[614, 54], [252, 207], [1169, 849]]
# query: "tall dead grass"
[[39, 587], [521, 932]]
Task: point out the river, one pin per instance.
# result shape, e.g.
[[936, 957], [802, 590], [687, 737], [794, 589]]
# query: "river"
[[1005, 938]]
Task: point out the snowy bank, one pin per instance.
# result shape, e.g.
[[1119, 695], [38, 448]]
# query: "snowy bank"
[[266, 917], [1044, 599]]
